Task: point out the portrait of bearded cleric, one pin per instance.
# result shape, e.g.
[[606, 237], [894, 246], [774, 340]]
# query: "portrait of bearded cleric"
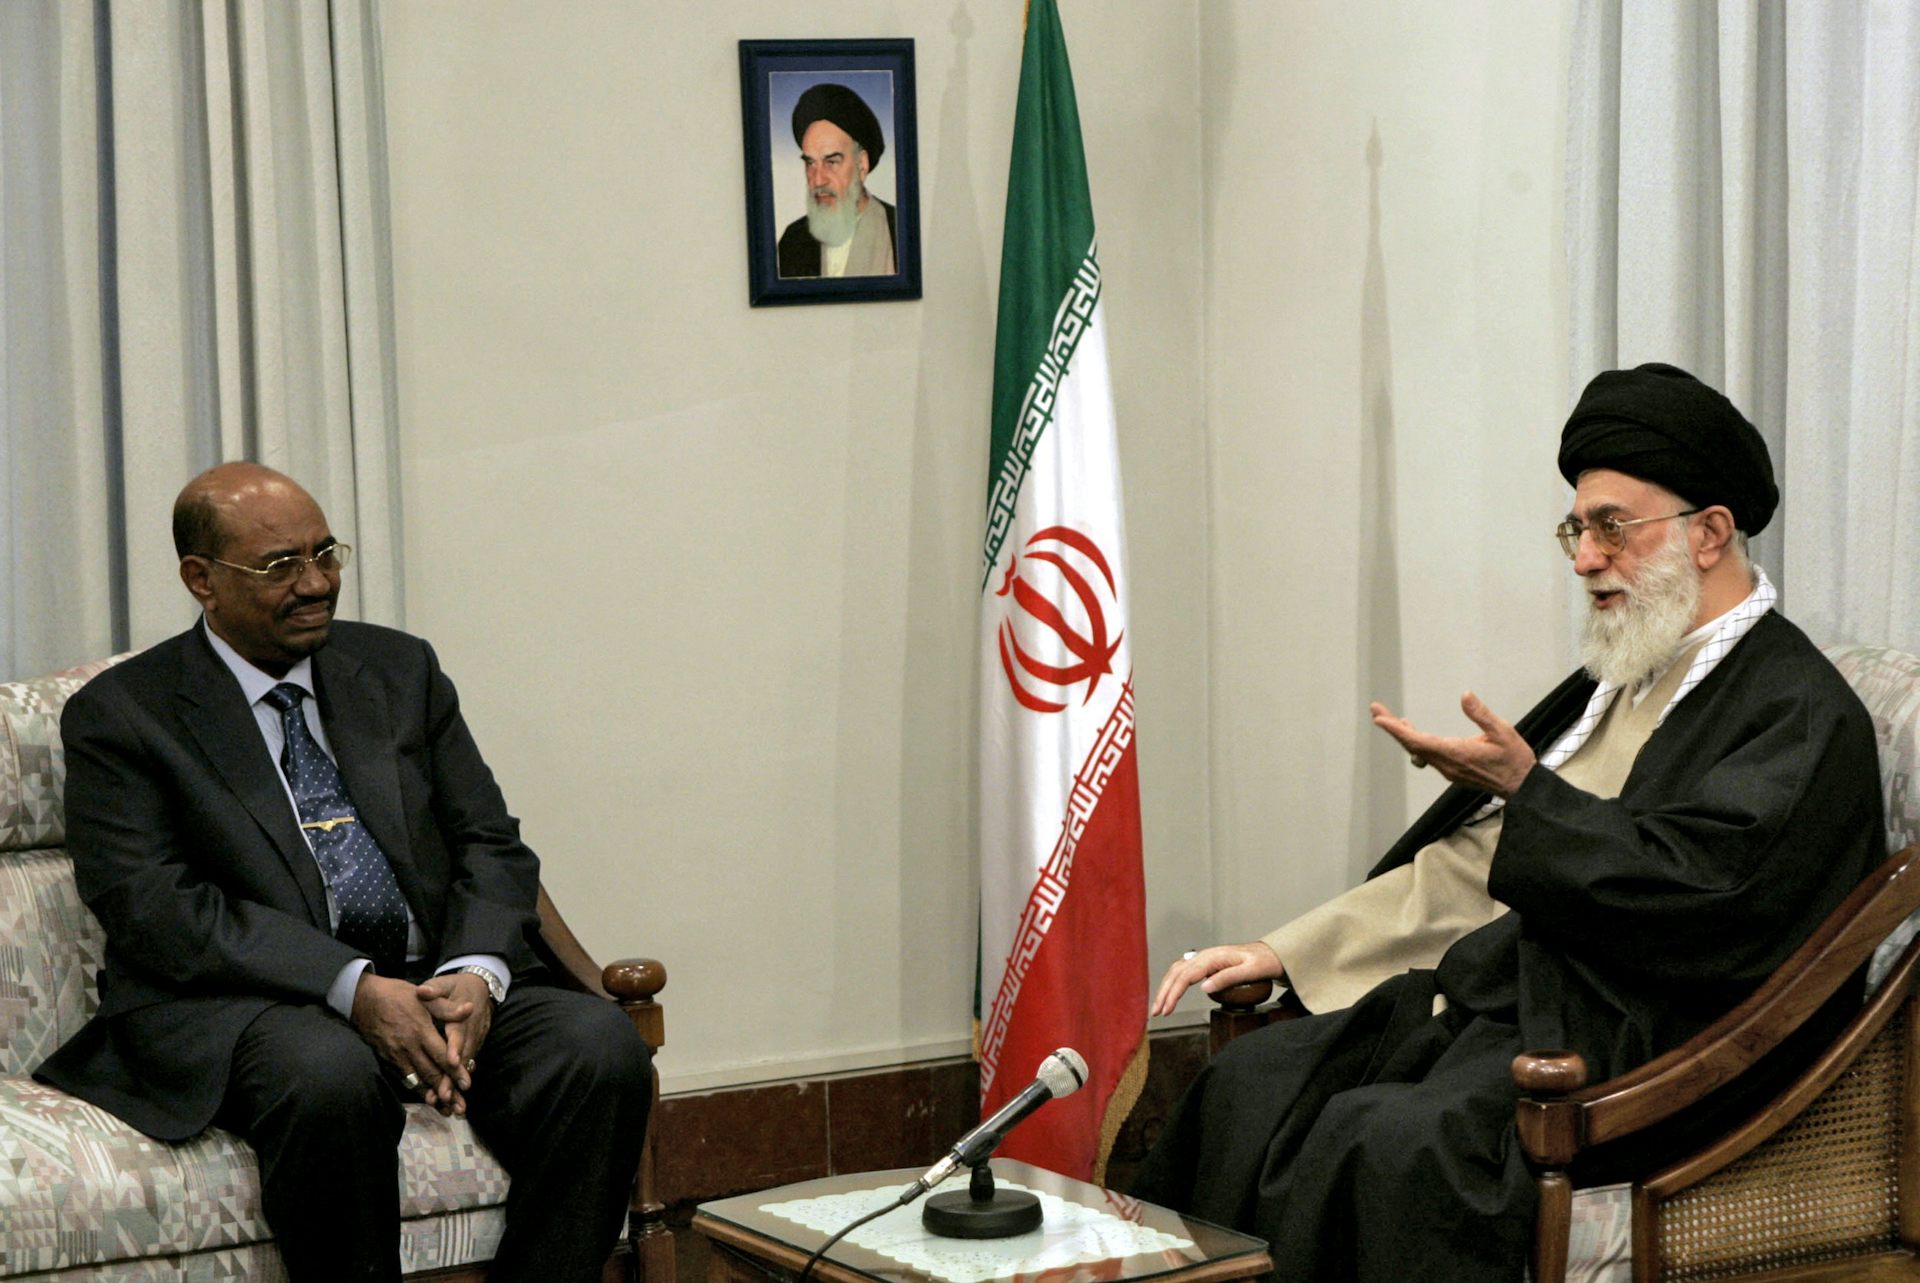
[[831, 196], [848, 228]]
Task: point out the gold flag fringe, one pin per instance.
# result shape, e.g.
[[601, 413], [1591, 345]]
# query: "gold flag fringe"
[[1126, 1093]]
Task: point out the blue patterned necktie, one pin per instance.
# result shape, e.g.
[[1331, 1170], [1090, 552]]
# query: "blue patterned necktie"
[[373, 912]]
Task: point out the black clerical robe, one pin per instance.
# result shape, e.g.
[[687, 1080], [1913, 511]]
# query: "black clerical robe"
[[1378, 1142]]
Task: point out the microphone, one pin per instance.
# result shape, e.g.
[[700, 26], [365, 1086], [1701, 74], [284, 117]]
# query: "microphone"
[[1060, 1074]]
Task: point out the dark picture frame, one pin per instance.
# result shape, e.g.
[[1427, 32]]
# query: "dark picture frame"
[[776, 76]]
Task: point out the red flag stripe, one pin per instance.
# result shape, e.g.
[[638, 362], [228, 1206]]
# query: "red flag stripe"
[[1086, 987], [1050, 889]]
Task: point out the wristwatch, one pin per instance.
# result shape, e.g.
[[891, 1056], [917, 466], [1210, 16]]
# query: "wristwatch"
[[497, 990]]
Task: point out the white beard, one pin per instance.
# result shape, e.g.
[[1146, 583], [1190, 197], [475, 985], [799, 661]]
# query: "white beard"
[[1634, 639], [833, 224]]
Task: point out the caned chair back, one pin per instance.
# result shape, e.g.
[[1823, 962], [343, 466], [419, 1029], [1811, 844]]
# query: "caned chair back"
[[1829, 1184]]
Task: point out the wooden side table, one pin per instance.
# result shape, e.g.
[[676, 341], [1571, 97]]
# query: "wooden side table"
[[752, 1245]]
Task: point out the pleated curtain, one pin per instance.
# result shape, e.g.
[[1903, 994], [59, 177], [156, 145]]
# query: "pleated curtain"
[[193, 208], [1741, 201]]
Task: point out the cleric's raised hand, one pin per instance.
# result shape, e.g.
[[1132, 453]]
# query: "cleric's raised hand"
[[1496, 760]]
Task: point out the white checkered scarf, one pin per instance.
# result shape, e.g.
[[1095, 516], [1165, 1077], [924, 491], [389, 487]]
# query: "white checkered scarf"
[[1732, 627]]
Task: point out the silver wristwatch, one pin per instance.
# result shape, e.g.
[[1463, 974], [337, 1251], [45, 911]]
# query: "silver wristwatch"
[[494, 986]]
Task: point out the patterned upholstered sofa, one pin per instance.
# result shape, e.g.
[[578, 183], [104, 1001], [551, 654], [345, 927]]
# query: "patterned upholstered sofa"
[[84, 1196]]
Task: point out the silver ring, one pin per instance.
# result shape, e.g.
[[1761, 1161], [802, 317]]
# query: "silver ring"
[[412, 1081], [469, 1066], [1188, 955]]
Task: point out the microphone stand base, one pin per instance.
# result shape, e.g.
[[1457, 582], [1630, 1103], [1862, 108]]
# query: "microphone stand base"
[[981, 1211]]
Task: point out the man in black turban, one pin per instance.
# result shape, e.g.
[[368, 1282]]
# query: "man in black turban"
[[847, 231], [1608, 875], [1659, 423]]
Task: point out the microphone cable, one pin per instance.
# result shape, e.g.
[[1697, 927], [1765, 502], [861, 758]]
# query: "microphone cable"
[[1061, 1074], [907, 1195]]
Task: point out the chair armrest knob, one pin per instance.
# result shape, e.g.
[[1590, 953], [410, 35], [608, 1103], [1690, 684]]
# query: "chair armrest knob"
[[1244, 996], [1549, 1073], [634, 979]]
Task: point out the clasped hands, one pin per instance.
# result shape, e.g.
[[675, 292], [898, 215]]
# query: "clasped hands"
[[1496, 760], [433, 1030]]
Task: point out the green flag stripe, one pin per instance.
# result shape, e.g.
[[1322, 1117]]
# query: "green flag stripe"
[[1049, 225], [1035, 414]]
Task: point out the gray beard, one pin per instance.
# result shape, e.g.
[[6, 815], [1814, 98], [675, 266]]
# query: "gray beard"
[[1635, 639], [834, 226]]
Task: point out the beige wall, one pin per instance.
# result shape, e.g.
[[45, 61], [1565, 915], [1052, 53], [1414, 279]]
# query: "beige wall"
[[1461, 342], [705, 572]]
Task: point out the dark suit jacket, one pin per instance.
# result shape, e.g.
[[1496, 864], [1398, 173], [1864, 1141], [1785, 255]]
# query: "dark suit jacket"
[[187, 850]]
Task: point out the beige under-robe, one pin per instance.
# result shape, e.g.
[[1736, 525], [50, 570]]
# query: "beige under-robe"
[[1409, 916]]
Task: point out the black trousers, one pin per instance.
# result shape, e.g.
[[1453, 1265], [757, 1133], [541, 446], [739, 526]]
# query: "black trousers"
[[560, 1096], [1372, 1144]]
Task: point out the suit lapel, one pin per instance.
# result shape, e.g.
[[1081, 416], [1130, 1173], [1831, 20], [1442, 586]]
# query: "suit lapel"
[[361, 731], [216, 715]]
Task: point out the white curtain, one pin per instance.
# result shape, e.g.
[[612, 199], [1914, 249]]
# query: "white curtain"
[[1741, 202], [196, 268]]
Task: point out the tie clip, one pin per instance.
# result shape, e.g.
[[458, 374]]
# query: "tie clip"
[[327, 826]]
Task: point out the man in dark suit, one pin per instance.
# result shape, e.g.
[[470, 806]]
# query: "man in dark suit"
[[318, 908]]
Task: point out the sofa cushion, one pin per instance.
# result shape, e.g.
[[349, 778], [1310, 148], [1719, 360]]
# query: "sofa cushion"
[[79, 1188], [50, 962], [31, 766], [1888, 683], [50, 946]]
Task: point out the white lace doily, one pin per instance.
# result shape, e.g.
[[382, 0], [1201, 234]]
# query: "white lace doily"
[[1069, 1234]]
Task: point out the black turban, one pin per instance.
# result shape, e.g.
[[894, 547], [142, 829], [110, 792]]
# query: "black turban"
[[839, 105], [1660, 424]]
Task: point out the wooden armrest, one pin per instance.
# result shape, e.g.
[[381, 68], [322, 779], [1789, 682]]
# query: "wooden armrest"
[[1244, 996], [1242, 1000], [1237, 1011], [634, 979], [632, 982], [1682, 1077], [577, 969]]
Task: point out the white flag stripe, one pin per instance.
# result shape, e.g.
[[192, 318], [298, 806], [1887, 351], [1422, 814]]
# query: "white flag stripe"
[[1030, 763]]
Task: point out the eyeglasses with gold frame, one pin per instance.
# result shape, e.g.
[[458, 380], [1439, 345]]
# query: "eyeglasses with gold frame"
[[282, 571], [1609, 532]]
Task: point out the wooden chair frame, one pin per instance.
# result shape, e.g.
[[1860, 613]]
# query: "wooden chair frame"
[[646, 1253], [1559, 1116]]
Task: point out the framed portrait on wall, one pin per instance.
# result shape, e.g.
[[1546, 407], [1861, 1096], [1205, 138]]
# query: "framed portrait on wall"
[[832, 154]]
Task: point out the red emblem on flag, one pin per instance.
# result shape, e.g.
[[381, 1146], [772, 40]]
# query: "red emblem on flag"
[[1059, 560]]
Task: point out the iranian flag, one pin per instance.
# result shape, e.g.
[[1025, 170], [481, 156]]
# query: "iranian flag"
[[1062, 915]]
